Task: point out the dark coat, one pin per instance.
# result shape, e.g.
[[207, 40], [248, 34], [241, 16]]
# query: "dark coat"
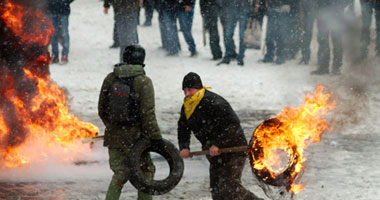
[[168, 5], [118, 136], [213, 122], [59, 7], [122, 6]]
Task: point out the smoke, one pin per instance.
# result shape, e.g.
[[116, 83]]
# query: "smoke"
[[353, 87]]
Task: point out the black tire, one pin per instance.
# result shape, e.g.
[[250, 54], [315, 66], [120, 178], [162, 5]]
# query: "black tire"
[[155, 187], [283, 179]]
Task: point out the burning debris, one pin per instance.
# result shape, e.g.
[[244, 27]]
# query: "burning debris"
[[278, 144], [34, 117]]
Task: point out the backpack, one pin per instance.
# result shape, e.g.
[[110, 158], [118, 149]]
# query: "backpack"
[[123, 107]]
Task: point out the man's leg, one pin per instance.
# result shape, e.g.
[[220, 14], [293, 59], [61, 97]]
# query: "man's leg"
[[230, 180], [169, 20], [149, 7], [231, 19], [367, 11], [243, 21], [309, 14], [211, 23], [214, 171], [54, 39], [377, 17], [149, 170], [117, 161], [269, 39], [65, 37], [324, 47], [186, 23]]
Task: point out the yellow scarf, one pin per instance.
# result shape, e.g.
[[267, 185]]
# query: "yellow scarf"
[[192, 102]]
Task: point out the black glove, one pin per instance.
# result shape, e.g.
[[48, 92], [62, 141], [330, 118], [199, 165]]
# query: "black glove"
[[158, 144]]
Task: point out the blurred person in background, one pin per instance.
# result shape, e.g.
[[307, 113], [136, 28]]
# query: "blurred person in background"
[[278, 29], [59, 11], [210, 11], [168, 13], [234, 12], [126, 21], [330, 23]]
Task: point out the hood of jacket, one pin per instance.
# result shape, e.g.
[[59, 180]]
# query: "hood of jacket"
[[124, 70]]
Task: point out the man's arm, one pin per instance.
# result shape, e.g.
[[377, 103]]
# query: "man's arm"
[[183, 132], [102, 103], [147, 108]]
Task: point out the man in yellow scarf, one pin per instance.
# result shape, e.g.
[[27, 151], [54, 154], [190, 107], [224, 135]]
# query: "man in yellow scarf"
[[216, 125]]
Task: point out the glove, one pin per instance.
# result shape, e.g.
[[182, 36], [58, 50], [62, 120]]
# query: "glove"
[[158, 144]]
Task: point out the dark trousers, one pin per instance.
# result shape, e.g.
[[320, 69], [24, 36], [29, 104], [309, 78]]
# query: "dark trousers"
[[149, 8], [169, 31], [277, 31], [309, 13], [186, 23], [225, 180], [211, 16], [61, 30], [330, 23], [368, 8], [234, 15]]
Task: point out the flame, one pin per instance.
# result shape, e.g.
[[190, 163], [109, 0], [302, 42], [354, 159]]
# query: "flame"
[[23, 23], [35, 122], [278, 144]]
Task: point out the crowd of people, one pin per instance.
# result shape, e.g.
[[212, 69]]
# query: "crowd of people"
[[289, 27]]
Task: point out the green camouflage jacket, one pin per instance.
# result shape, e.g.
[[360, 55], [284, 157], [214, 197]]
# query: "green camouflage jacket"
[[117, 136]]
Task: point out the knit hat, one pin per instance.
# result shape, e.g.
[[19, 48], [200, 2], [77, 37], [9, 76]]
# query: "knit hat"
[[192, 80]]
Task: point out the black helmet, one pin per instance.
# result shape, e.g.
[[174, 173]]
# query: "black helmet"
[[134, 54]]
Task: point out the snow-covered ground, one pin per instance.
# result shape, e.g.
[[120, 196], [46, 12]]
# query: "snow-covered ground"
[[343, 166]]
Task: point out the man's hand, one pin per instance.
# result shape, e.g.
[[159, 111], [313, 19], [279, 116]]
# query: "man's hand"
[[105, 10], [188, 8], [214, 151], [185, 153]]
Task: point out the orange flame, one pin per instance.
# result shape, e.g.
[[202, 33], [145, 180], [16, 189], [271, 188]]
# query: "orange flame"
[[41, 114], [23, 23], [278, 144]]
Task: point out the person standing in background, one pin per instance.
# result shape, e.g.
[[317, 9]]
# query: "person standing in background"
[[126, 21], [59, 11]]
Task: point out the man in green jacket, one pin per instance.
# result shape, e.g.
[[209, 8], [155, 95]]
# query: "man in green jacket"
[[119, 137]]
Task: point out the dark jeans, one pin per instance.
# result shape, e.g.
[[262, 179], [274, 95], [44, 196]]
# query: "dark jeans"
[[330, 23], [126, 24], [233, 15], [225, 180], [186, 23], [368, 8], [169, 32], [277, 31], [309, 15], [61, 30], [211, 15], [149, 8]]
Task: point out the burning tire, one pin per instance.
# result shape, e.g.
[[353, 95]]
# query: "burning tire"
[[155, 187], [283, 177]]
